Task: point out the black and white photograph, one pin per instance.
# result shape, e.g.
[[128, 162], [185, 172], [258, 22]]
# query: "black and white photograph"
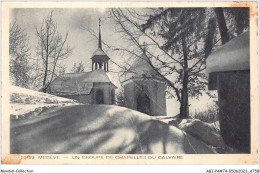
[[130, 80]]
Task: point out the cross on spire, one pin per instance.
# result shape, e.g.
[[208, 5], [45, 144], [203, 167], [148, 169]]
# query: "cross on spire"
[[99, 37]]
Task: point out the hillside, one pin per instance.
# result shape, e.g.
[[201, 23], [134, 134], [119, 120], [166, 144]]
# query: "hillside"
[[28, 103], [70, 127]]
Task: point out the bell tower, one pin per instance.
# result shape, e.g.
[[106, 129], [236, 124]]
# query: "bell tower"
[[99, 58]]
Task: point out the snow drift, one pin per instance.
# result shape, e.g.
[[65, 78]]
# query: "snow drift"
[[203, 131], [100, 129], [26, 103], [72, 128]]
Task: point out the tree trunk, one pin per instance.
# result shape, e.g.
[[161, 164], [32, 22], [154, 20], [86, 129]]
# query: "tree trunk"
[[45, 77], [209, 41], [184, 109], [46, 61], [222, 25]]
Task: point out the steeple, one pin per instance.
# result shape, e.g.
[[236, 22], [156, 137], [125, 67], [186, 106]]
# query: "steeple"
[[99, 36], [99, 58]]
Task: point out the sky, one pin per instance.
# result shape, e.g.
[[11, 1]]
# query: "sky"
[[73, 21], [83, 43]]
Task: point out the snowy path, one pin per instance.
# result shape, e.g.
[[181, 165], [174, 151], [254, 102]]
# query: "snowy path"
[[99, 129]]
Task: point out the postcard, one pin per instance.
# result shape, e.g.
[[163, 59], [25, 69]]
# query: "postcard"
[[129, 83]]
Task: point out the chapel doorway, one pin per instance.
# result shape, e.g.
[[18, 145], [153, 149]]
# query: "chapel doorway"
[[100, 97], [143, 103]]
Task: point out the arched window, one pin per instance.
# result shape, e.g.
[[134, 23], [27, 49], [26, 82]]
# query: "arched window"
[[143, 103], [100, 97]]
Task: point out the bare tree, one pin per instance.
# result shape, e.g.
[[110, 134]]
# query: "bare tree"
[[120, 97], [177, 44], [51, 49], [19, 56], [78, 68], [175, 41]]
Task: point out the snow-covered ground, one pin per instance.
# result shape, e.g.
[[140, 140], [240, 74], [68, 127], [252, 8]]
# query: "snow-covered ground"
[[204, 131], [209, 133], [100, 129], [65, 126], [27, 103]]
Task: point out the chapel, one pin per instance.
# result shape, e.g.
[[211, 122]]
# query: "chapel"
[[144, 88], [94, 87]]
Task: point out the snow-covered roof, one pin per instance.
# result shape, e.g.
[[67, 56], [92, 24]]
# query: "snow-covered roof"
[[232, 56], [78, 83], [99, 52], [140, 69], [98, 75], [99, 56]]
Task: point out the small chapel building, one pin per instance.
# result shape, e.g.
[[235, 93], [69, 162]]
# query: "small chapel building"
[[94, 87], [144, 88]]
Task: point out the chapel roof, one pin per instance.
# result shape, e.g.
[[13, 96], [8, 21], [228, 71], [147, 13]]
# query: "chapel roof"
[[79, 83], [140, 70], [99, 52]]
